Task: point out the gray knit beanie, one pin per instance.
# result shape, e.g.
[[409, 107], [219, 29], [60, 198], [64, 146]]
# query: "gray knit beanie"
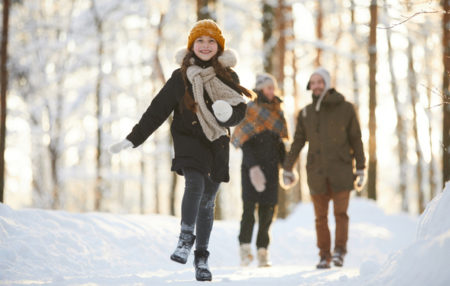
[[327, 80], [265, 79]]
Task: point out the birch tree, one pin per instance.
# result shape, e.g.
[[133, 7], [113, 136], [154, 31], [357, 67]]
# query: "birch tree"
[[400, 127], [99, 181], [39, 74], [412, 88], [428, 54]]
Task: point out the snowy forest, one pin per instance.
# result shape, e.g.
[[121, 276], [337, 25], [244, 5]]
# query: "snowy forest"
[[80, 73], [77, 75]]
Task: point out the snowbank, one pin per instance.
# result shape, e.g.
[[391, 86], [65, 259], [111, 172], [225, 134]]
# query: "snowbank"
[[425, 262], [61, 248]]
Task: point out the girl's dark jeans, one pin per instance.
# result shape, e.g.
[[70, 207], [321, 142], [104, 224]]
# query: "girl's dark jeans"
[[197, 208]]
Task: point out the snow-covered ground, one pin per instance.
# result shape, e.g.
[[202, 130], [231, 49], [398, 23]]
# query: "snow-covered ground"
[[59, 248]]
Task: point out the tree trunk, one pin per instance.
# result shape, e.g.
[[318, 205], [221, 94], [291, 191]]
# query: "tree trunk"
[[4, 88], [445, 90], [278, 64], [160, 76], [40, 197], [142, 166], [156, 181], [336, 57], [206, 9], [372, 173], [412, 83], [278, 59], [298, 188], [402, 146], [56, 123], [269, 41], [54, 148], [319, 34], [432, 171], [98, 192], [274, 47], [354, 65]]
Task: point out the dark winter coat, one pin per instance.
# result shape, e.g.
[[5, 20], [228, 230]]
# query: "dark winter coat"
[[334, 137], [192, 148], [267, 150]]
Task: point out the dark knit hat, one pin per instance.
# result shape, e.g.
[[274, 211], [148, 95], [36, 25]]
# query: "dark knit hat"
[[206, 28]]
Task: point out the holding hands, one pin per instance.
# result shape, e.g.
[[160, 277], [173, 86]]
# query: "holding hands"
[[288, 179]]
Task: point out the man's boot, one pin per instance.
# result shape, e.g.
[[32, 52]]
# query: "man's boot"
[[324, 263], [338, 257], [183, 249]]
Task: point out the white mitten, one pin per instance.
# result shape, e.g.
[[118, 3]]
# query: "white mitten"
[[124, 144], [288, 179], [257, 178], [222, 110], [360, 176]]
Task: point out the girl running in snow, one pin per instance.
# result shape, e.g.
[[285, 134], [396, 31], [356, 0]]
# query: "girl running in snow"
[[206, 99], [260, 135]]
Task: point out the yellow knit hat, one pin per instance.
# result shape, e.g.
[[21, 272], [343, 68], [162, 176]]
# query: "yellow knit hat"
[[206, 28]]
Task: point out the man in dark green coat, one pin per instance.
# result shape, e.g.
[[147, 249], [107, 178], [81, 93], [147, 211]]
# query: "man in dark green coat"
[[331, 127]]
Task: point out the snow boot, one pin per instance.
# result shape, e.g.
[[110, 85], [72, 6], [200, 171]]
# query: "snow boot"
[[338, 257], [324, 263], [183, 249], [246, 254], [202, 272], [263, 257]]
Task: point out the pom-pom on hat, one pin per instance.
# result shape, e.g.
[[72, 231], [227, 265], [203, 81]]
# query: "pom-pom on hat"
[[206, 28]]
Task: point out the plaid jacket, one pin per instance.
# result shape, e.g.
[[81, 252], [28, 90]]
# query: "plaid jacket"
[[260, 116]]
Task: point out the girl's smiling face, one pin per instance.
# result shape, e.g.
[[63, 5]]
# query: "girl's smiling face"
[[205, 48]]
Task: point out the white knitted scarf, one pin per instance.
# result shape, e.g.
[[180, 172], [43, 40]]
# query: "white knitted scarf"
[[205, 79]]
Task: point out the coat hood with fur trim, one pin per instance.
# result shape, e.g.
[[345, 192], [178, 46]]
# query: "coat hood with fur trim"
[[228, 58]]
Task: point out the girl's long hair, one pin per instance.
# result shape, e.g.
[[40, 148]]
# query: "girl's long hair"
[[222, 72]]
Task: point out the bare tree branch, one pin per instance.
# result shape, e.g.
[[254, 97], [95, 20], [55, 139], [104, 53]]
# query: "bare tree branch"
[[411, 17]]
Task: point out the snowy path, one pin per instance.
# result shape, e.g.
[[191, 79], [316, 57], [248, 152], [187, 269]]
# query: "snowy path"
[[60, 248], [286, 274]]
